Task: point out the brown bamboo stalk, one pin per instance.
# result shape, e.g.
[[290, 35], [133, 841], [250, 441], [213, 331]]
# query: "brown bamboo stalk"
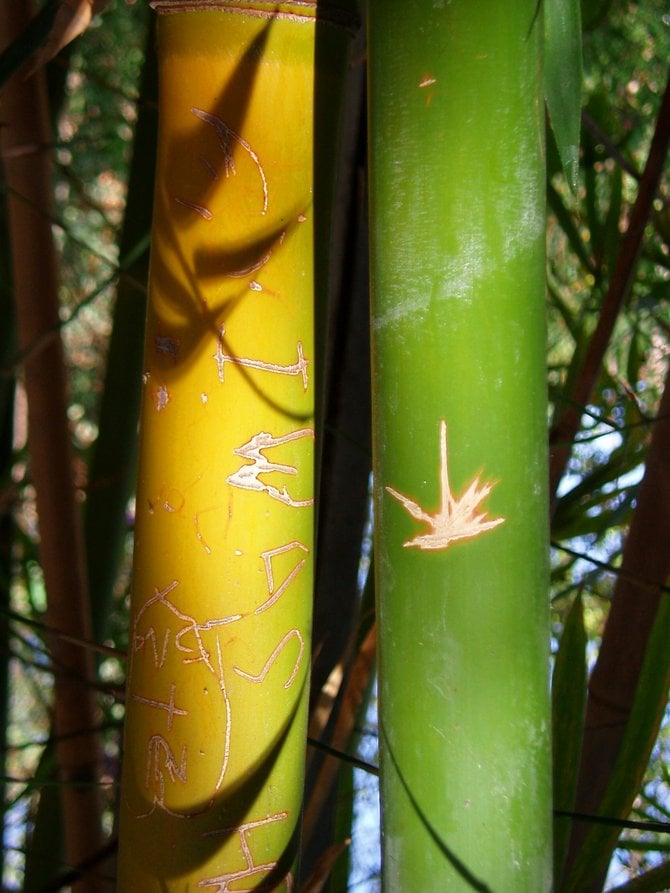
[[25, 142], [568, 419]]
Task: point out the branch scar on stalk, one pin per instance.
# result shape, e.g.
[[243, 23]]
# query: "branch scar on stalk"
[[456, 518]]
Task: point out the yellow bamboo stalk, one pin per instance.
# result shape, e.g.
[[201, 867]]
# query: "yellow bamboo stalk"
[[221, 604]]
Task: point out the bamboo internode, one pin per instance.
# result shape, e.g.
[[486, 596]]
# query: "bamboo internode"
[[221, 603]]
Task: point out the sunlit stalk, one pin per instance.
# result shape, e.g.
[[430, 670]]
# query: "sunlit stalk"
[[220, 621]]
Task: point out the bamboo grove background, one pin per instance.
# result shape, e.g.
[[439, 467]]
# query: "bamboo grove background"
[[77, 194]]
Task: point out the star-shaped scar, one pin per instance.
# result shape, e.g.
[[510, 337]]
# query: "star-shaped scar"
[[456, 518]]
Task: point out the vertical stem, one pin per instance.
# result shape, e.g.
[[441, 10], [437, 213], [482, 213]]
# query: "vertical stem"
[[26, 139], [114, 460], [457, 241], [221, 603]]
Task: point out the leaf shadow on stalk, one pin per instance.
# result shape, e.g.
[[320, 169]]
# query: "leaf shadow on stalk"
[[210, 824], [180, 315], [457, 864]]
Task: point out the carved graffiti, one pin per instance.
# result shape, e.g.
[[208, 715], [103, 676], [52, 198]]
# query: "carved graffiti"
[[169, 706], [267, 557], [297, 368], [164, 631], [259, 677], [226, 137], [222, 882], [203, 653], [455, 518], [247, 477]]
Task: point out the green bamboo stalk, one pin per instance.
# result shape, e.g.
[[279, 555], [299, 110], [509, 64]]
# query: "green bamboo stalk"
[[457, 244], [113, 465]]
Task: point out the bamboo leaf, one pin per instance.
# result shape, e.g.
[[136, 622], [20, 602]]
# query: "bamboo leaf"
[[641, 731], [568, 702], [563, 79], [46, 846]]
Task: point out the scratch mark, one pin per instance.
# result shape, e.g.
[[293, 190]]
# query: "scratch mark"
[[292, 633], [297, 368], [222, 882], [198, 533], [205, 213], [168, 706], [225, 135], [252, 268], [208, 167], [226, 701], [267, 557]]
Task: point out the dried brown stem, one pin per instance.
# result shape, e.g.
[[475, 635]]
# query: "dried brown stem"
[[35, 270]]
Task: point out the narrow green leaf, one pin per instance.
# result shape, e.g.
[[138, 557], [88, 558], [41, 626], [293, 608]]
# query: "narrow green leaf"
[[636, 355], [563, 79], [568, 703], [45, 846], [641, 732], [112, 469]]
